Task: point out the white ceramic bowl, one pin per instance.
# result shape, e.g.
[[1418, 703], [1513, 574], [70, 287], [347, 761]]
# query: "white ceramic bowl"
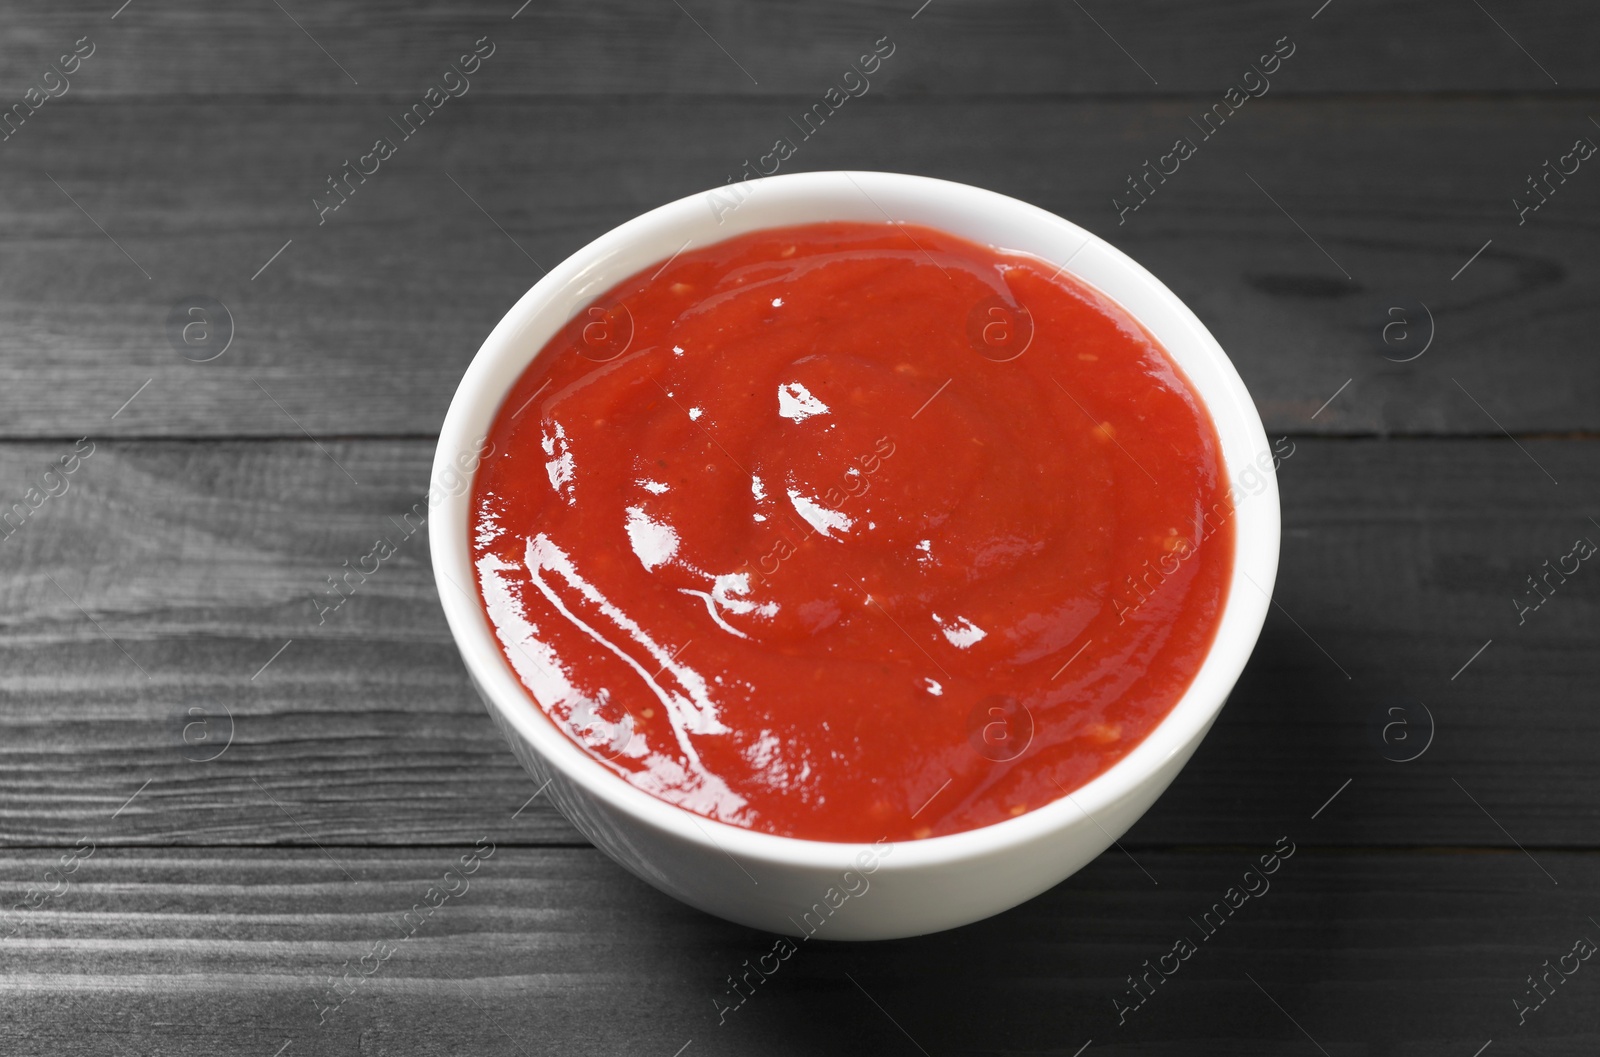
[[834, 890]]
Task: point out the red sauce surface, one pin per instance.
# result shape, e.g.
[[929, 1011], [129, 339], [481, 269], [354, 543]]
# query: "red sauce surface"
[[852, 531]]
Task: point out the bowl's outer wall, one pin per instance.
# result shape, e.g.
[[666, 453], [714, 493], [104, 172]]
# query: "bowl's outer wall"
[[821, 903]]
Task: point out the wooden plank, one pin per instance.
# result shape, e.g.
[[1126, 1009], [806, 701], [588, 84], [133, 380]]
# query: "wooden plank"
[[559, 951], [370, 714], [201, 560], [362, 48], [363, 324]]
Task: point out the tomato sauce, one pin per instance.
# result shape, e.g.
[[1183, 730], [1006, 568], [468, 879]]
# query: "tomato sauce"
[[850, 531]]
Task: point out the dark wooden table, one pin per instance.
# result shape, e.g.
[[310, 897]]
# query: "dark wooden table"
[[212, 807]]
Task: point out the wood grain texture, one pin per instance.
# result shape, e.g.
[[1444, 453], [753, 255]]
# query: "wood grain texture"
[[364, 324], [559, 951], [951, 47], [201, 559]]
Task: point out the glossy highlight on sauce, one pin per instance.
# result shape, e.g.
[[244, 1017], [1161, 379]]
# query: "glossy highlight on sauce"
[[849, 531]]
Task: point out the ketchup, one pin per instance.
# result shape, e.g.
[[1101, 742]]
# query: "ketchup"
[[849, 531]]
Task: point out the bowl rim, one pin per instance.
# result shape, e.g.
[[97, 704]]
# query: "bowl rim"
[[595, 268]]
